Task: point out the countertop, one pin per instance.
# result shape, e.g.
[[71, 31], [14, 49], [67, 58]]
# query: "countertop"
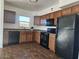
[[31, 30], [7, 29]]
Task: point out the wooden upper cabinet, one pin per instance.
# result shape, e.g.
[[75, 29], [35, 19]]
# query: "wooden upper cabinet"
[[66, 11], [9, 16], [47, 16], [56, 15], [75, 9], [37, 20], [51, 15], [43, 17]]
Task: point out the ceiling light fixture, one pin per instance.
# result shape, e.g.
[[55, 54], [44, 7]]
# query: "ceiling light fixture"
[[32, 1]]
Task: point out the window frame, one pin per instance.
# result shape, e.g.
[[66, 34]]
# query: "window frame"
[[25, 22]]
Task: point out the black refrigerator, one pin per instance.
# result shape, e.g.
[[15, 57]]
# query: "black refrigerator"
[[67, 37]]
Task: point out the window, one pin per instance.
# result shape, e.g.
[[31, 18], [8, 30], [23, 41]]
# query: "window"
[[24, 21]]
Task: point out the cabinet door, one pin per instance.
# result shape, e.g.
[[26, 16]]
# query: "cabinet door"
[[75, 9], [37, 37], [9, 16], [22, 36], [47, 16], [28, 36], [56, 15], [37, 20], [51, 15], [43, 18], [52, 42], [5, 37], [66, 11]]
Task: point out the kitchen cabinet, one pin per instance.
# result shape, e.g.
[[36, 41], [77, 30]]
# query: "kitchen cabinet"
[[9, 16], [28, 36], [51, 15], [66, 11], [25, 36], [47, 16], [43, 18], [52, 42], [75, 9], [56, 15], [22, 37], [37, 20], [5, 37], [37, 37]]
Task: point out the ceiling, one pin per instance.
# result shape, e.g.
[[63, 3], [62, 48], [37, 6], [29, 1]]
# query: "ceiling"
[[24, 4]]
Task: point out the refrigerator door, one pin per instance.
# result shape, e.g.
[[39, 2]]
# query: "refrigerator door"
[[66, 22], [64, 44]]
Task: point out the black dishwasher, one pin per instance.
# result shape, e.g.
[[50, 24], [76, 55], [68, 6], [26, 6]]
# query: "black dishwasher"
[[44, 40], [13, 37]]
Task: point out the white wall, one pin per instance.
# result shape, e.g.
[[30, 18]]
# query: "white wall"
[[1, 22], [19, 12]]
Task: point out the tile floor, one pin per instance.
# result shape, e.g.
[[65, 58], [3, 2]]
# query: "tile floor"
[[26, 51]]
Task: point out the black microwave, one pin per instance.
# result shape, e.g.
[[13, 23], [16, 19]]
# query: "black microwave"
[[48, 22]]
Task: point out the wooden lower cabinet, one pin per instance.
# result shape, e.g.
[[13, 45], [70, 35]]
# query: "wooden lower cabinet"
[[28, 36], [25, 36], [22, 37], [37, 37], [5, 37], [52, 42]]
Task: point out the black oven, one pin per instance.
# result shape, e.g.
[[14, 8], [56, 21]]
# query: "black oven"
[[51, 30], [44, 37], [44, 40]]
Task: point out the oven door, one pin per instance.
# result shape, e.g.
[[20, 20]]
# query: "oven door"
[[44, 39]]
